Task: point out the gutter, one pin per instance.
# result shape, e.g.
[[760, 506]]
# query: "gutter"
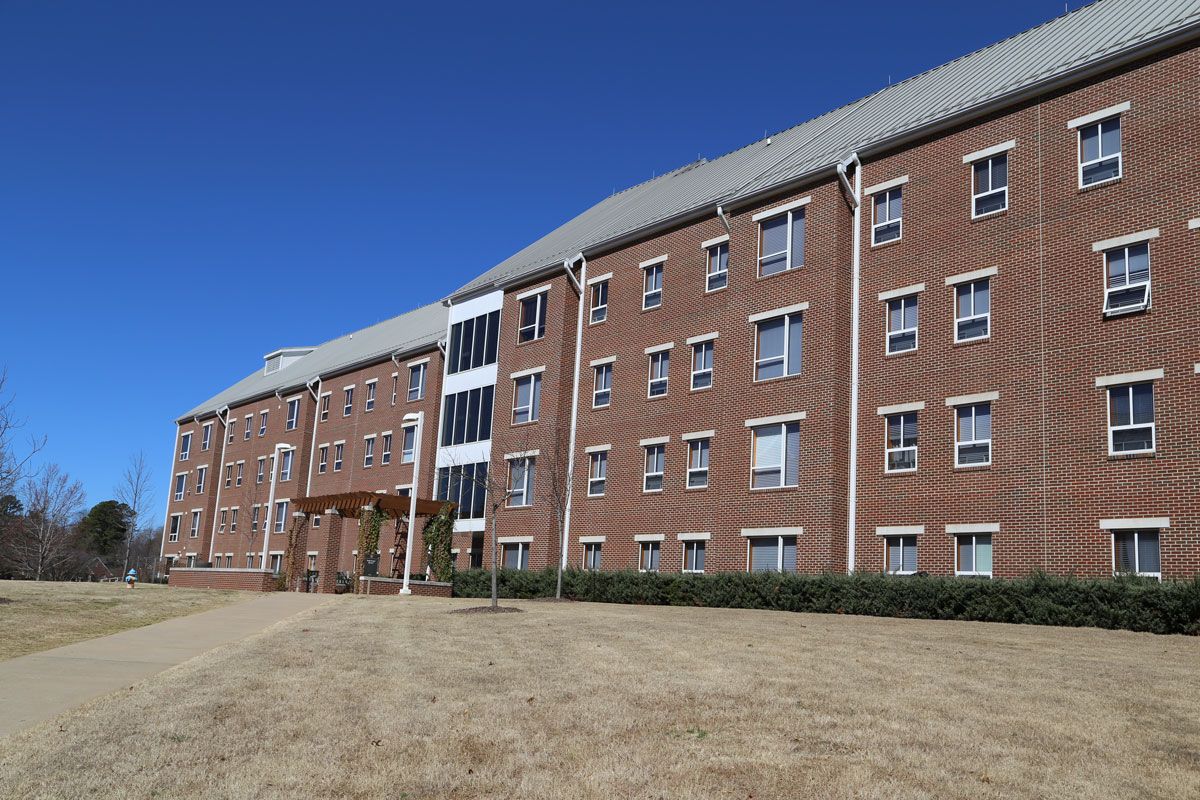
[[855, 300], [579, 284]]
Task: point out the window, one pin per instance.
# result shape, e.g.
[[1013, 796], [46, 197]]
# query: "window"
[[718, 267], [368, 452], [324, 407], [180, 485], [293, 414], [195, 529], [323, 460], [516, 555], [229, 431], [520, 482], [262, 423], [233, 519], [407, 451], [228, 475], [201, 479], [473, 343], [385, 457], [285, 465], [776, 456], [369, 403], [254, 518], [990, 191], [185, 447], [972, 310], [1100, 152], [697, 474], [338, 451], [693, 556], [276, 563], [648, 559], [316, 523], [602, 386], [262, 470], [241, 470], [781, 242], [249, 427], [395, 387], [599, 304], [533, 317], [467, 416], [597, 473], [652, 283], [1127, 287], [973, 554], [249, 561], [416, 382], [591, 556], [466, 485], [900, 554], [973, 445], [348, 404], [902, 442], [221, 523], [1131, 419], [652, 480], [902, 324], [888, 211], [527, 398], [777, 346], [173, 533], [772, 553], [228, 561], [206, 436], [1136, 553], [280, 515], [660, 367], [702, 365]]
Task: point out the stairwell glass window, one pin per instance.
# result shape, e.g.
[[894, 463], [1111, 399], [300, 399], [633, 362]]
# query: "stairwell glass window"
[[465, 485], [902, 324], [972, 310], [888, 215], [973, 555], [990, 185], [775, 456], [693, 556], [591, 556], [322, 460], [656, 457], [901, 442], [369, 403], [185, 447], [718, 266], [778, 346], [408, 450], [1127, 279], [520, 482], [338, 451], [900, 554], [416, 382], [652, 284], [467, 416], [293, 414], [697, 473], [1136, 553], [649, 555], [368, 452], [599, 302], [516, 555], [385, 457], [1100, 152], [262, 423], [702, 365], [285, 465], [347, 401], [473, 343], [772, 553], [602, 386], [660, 368], [597, 473], [973, 435], [206, 436], [180, 485], [1131, 419], [533, 318], [781, 242], [281, 510], [527, 398]]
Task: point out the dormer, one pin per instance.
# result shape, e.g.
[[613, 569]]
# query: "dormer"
[[273, 362]]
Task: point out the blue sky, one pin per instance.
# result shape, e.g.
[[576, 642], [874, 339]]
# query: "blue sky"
[[187, 186]]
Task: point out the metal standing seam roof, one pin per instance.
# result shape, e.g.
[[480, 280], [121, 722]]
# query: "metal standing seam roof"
[[1084, 38], [416, 330]]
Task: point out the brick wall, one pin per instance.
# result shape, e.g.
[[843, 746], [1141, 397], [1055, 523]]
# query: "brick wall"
[[247, 580]]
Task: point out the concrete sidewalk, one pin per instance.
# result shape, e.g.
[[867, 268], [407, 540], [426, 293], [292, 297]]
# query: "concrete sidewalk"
[[42, 685]]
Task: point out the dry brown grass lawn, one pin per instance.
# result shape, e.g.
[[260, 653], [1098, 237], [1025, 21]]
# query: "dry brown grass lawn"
[[390, 698], [47, 614]]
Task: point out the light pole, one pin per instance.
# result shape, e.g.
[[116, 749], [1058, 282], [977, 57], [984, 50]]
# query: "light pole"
[[419, 419], [269, 517]]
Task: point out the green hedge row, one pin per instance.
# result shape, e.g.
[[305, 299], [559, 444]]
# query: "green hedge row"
[[1135, 604]]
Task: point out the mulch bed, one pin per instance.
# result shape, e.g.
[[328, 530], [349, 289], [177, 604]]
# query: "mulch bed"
[[6, 600], [487, 610]]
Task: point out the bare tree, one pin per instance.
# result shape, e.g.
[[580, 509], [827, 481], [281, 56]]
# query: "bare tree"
[[555, 486], [135, 491], [496, 492], [13, 464], [44, 543]]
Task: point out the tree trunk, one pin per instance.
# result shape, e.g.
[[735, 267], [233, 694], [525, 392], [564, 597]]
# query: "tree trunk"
[[561, 548], [495, 588]]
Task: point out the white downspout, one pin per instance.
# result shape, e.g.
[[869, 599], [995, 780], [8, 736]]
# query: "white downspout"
[[412, 499], [212, 525], [270, 519], [579, 285], [856, 272], [312, 446]]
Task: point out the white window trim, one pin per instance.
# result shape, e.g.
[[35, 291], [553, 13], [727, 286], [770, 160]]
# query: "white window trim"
[[600, 362], [1194, 224], [526, 494], [975, 194], [900, 408], [646, 266], [959, 443], [888, 333], [971, 573], [972, 399], [522, 454], [774, 212], [514, 540], [599, 278], [778, 534], [988, 152], [528, 408], [693, 537], [528, 293], [690, 469], [1112, 429], [1098, 116], [687, 437], [904, 291], [751, 533], [593, 451], [899, 530], [1144, 376], [702, 338], [710, 243], [657, 348], [596, 391], [646, 473], [971, 277], [665, 379], [598, 448], [710, 370], [649, 537], [755, 319], [778, 312], [540, 313], [654, 441], [789, 209], [888, 449], [1104, 245], [778, 419], [650, 262], [1136, 556], [885, 185], [525, 373], [1134, 523], [600, 539], [963, 528]]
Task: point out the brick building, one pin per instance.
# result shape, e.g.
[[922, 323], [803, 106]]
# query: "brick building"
[[949, 328]]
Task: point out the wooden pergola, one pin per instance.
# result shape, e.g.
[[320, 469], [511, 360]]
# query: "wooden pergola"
[[352, 504]]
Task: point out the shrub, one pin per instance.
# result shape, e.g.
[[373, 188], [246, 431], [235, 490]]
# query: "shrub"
[[1135, 604]]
